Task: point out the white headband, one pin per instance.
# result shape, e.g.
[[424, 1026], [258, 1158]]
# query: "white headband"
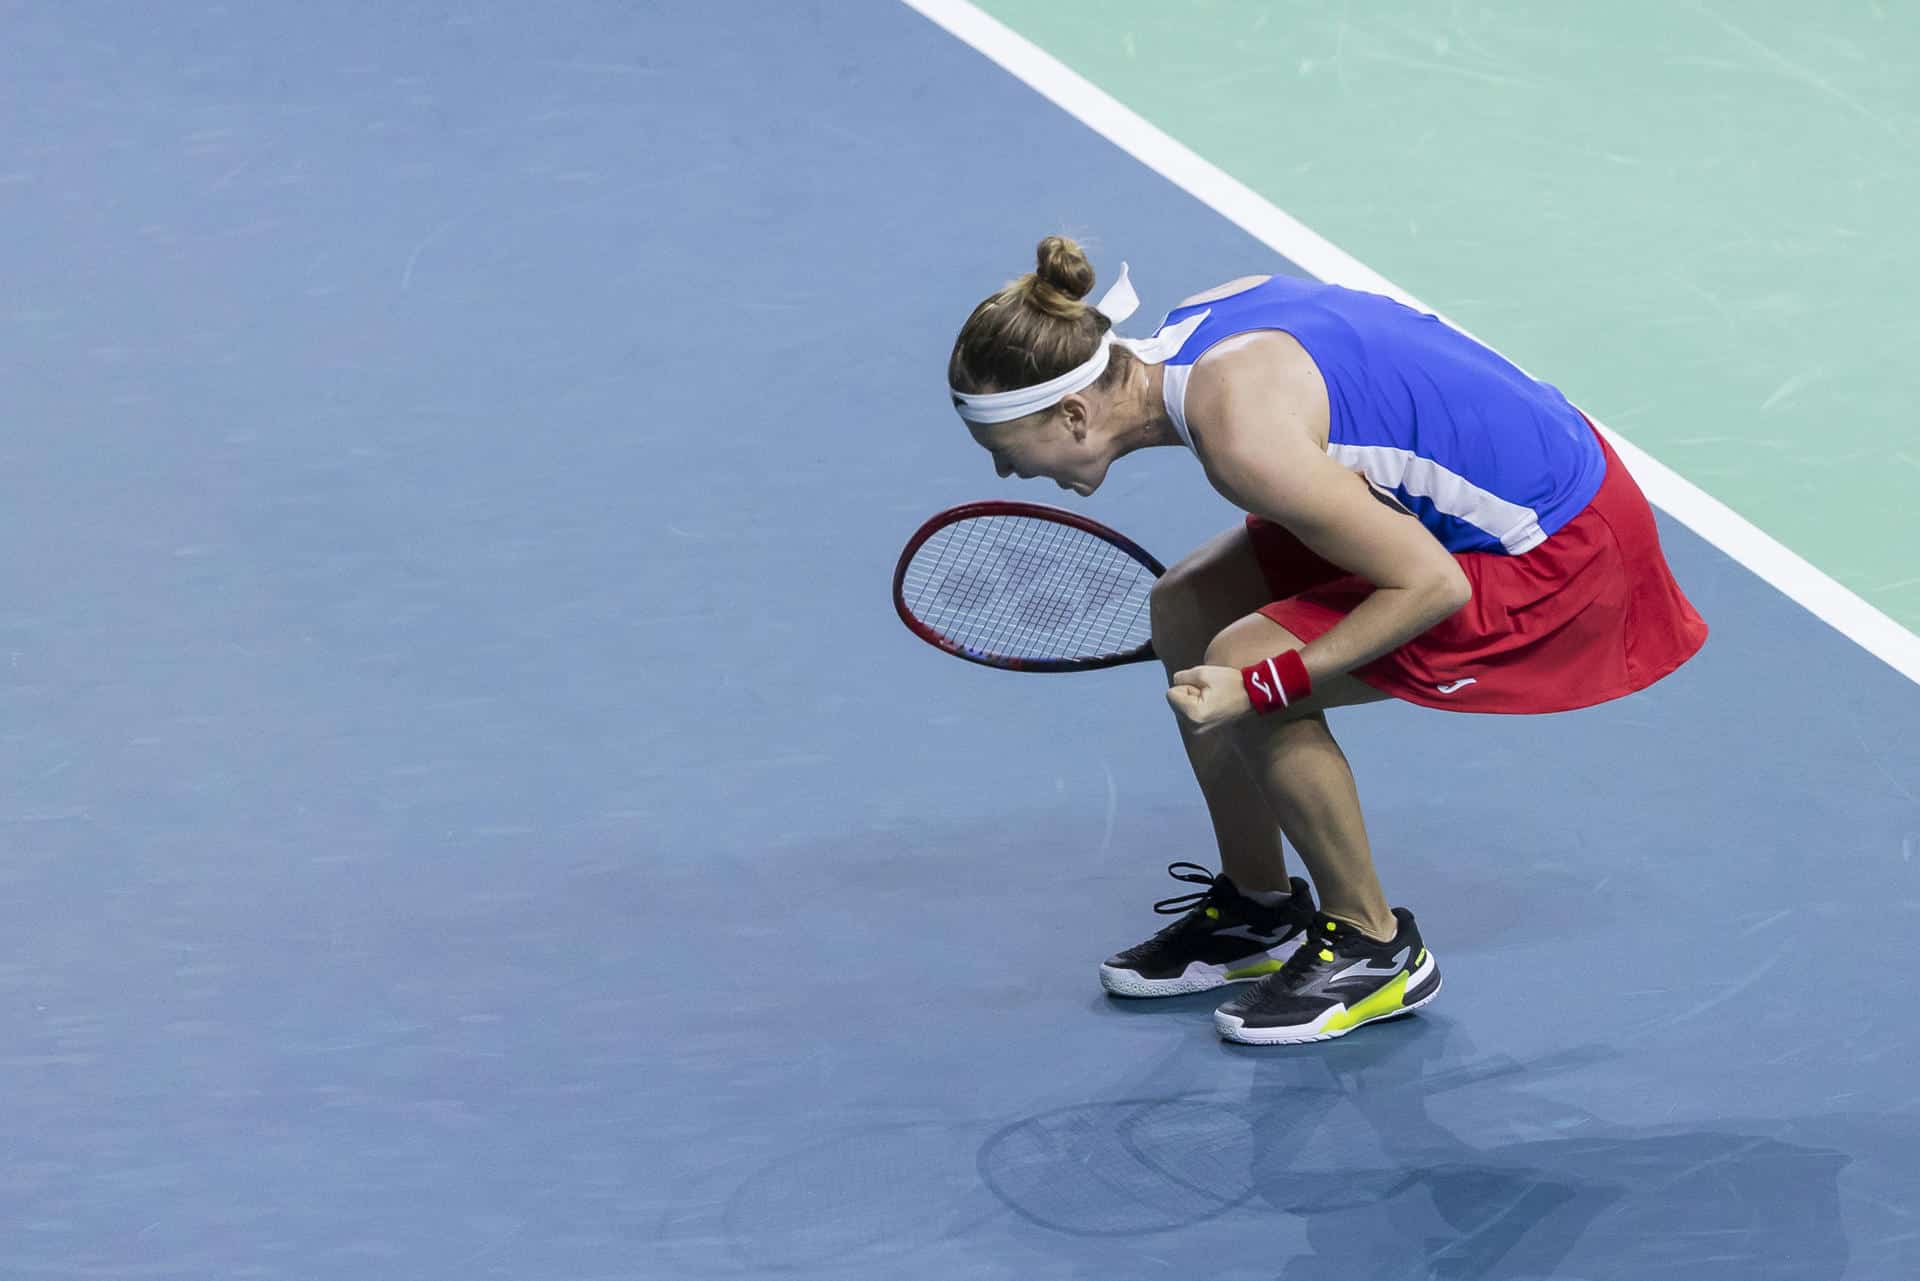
[[1116, 305]]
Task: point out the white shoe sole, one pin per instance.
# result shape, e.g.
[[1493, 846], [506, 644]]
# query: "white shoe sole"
[[1199, 976], [1233, 1028]]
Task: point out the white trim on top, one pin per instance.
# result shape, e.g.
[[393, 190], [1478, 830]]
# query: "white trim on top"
[[1834, 604], [1514, 527], [1173, 394]]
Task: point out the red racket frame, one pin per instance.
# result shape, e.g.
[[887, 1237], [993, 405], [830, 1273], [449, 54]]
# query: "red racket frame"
[[1037, 511]]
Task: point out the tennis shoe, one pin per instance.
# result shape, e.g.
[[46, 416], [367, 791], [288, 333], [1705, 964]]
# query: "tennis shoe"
[[1338, 979], [1222, 936]]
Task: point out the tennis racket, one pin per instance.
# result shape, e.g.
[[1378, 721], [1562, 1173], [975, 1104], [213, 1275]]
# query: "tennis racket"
[[1028, 588]]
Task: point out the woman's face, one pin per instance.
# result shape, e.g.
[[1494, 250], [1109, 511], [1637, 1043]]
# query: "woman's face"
[[1049, 448]]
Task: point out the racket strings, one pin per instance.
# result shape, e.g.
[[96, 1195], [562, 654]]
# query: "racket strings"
[[1022, 587]]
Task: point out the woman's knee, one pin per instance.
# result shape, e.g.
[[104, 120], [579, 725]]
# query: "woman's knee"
[[1246, 641], [1180, 630], [1201, 594]]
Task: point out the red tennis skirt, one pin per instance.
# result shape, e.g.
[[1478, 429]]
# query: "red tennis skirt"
[[1591, 614]]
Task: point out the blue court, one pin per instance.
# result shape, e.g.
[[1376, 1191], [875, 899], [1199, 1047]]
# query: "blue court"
[[472, 812]]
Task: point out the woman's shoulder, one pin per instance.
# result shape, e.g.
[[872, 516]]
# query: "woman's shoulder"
[[1251, 381], [1261, 350]]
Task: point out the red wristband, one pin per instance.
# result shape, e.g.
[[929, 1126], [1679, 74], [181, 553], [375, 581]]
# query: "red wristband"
[[1280, 681]]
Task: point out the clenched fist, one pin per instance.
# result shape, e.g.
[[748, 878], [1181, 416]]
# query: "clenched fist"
[[1208, 696]]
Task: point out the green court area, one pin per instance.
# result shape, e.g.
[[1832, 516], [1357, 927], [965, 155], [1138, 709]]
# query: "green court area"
[[1695, 220]]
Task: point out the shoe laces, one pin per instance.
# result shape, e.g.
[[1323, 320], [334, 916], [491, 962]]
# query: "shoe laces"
[[1182, 903], [1319, 947], [1195, 910]]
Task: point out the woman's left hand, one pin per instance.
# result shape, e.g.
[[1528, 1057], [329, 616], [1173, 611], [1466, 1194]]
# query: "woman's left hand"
[[1208, 696]]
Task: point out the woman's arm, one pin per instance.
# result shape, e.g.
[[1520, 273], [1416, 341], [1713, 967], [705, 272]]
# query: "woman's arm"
[[1259, 413]]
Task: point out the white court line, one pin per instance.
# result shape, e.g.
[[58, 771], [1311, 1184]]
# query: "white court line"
[[1699, 511]]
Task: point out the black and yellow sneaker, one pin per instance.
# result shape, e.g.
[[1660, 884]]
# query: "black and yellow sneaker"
[[1224, 937], [1337, 980]]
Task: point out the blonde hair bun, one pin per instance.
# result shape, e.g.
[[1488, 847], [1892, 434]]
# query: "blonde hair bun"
[[1062, 265]]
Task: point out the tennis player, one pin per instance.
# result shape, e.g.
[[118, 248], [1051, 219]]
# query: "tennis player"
[[1425, 522]]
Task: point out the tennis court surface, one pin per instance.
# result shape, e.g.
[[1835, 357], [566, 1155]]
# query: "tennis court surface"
[[472, 812]]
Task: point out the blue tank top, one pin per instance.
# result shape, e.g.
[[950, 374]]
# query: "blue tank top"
[[1488, 459]]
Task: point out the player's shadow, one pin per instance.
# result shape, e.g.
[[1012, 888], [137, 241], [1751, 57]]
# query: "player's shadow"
[[1343, 1140]]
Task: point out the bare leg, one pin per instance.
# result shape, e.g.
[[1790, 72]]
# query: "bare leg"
[[1204, 593], [1307, 781], [1251, 849]]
